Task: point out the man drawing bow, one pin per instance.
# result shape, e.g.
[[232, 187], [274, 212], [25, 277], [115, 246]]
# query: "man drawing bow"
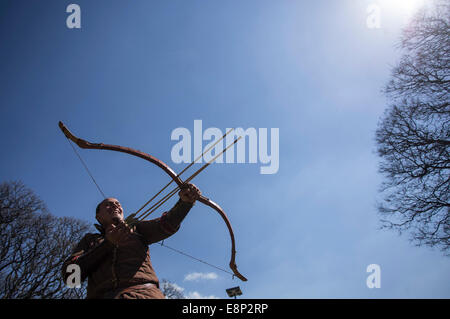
[[116, 261]]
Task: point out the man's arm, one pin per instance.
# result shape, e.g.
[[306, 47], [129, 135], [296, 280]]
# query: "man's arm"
[[168, 224], [88, 254]]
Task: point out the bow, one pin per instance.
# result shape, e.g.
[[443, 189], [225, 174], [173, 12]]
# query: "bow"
[[100, 146]]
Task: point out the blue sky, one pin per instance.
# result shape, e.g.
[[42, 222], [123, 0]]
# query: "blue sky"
[[136, 71]]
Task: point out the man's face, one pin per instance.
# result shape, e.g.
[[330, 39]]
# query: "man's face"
[[110, 212]]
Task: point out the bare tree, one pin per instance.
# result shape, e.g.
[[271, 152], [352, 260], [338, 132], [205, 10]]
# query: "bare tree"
[[171, 291], [413, 136], [33, 245]]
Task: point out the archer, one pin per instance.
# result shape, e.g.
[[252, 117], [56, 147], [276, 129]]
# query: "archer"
[[116, 261]]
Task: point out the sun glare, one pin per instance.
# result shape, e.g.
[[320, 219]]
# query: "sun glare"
[[406, 7]]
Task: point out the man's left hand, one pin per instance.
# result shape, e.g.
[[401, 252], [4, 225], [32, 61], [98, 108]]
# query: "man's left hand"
[[189, 194]]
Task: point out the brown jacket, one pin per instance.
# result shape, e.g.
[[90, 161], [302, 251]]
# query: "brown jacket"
[[110, 269]]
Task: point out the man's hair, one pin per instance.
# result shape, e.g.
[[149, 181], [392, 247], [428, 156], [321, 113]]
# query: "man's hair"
[[97, 210], [99, 226]]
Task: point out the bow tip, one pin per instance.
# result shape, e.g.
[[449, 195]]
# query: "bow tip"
[[64, 129], [236, 272], [241, 277]]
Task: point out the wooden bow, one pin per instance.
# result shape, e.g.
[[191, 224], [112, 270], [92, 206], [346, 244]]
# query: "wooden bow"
[[100, 146]]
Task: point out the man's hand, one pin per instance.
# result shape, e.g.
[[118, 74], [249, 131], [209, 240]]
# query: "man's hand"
[[189, 194], [117, 233]]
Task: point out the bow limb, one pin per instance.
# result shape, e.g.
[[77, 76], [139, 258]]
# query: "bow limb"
[[100, 146], [221, 212]]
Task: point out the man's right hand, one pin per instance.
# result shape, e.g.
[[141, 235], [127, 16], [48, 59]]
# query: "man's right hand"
[[117, 233]]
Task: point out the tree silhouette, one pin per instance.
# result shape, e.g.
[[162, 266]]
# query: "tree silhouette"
[[33, 246], [171, 291], [413, 136]]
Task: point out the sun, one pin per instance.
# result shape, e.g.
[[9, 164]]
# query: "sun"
[[406, 7]]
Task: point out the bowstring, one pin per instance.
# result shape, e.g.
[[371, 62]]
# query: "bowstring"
[[87, 169], [195, 258]]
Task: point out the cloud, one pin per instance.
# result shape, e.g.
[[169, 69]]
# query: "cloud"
[[200, 276], [197, 295]]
